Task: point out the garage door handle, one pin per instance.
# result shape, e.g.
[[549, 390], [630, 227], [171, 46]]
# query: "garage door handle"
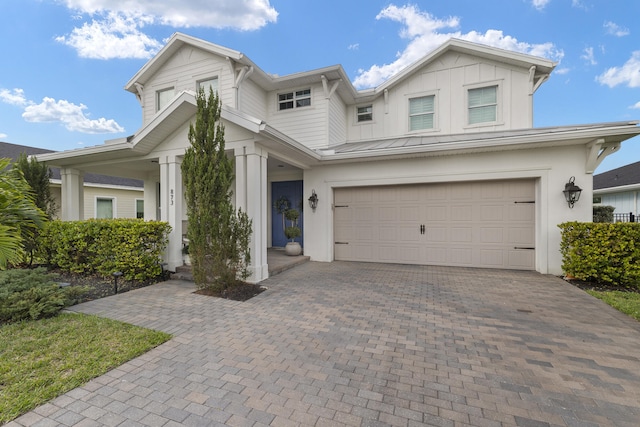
[[524, 247], [341, 243], [422, 229]]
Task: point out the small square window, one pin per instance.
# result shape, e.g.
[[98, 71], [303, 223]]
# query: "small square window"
[[365, 114], [483, 105], [104, 208], [421, 112]]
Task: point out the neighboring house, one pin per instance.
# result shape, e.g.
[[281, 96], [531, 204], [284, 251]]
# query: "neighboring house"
[[619, 188], [439, 165], [104, 196]]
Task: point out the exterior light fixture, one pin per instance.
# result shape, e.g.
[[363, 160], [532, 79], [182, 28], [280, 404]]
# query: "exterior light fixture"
[[572, 191], [313, 200]]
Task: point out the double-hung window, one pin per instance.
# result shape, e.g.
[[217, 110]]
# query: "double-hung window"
[[297, 99], [163, 97], [483, 105], [421, 112], [365, 113]]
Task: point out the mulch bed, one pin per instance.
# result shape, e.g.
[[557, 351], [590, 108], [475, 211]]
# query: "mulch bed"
[[100, 287], [238, 292], [600, 287]]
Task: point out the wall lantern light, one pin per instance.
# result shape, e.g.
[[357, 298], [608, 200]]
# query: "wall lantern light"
[[572, 192], [313, 200]]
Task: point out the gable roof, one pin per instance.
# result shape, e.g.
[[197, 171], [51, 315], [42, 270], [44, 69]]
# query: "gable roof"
[[13, 151], [540, 68], [622, 176]]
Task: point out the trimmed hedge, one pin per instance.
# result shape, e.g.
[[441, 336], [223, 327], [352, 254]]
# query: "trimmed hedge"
[[602, 252], [102, 246], [32, 294]]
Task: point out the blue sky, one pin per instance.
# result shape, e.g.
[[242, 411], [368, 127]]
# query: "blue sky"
[[65, 62]]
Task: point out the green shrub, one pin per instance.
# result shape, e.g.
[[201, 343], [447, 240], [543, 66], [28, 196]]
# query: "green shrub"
[[602, 252], [32, 294], [603, 213], [102, 246]]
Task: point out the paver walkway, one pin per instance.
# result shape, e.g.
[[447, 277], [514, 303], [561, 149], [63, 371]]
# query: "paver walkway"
[[368, 344]]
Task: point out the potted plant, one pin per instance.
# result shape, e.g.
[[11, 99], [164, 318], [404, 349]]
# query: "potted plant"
[[292, 248], [185, 253]]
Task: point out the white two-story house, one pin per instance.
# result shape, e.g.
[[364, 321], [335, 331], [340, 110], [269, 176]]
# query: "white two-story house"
[[440, 165]]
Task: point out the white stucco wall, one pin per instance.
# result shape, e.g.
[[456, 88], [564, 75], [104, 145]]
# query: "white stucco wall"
[[550, 167]]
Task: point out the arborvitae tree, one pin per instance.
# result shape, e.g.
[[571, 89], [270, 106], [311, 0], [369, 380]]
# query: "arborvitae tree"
[[218, 234]]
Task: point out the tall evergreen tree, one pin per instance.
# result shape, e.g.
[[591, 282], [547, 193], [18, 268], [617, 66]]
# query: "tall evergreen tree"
[[218, 234]]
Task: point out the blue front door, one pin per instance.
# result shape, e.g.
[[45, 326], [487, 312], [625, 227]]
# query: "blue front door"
[[291, 193]]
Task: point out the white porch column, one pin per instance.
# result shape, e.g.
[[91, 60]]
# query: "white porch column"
[[150, 199], [171, 207], [72, 194], [251, 197]]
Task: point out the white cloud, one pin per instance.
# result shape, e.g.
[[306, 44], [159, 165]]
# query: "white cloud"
[[426, 32], [72, 116], [615, 30], [3, 135], [628, 74], [540, 4], [588, 56], [13, 97], [354, 46], [562, 71], [238, 14], [636, 106], [114, 36]]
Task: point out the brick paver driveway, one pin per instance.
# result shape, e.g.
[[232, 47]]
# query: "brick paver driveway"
[[369, 344]]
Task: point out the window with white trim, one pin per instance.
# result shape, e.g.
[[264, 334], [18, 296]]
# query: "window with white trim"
[[421, 112], [364, 113], [208, 83], [297, 99], [163, 97], [483, 105], [104, 208], [140, 208]]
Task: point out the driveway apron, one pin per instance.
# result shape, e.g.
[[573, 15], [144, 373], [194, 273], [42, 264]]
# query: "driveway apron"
[[341, 343]]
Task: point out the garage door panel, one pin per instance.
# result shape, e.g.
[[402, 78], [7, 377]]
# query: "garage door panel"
[[465, 224], [491, 212]]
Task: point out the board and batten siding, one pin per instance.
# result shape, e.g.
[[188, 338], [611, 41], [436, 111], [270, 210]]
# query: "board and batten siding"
[[182, 72], [337, 120], [449, 79]]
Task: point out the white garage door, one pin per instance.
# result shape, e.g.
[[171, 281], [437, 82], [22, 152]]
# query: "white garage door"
[[487, 224]]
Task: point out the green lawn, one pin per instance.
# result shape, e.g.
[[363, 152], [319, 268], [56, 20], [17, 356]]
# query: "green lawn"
[[626, 302], [42, 359]]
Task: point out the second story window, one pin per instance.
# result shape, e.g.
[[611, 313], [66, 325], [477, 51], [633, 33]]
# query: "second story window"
[[421, 112], [483, 105], [163, 97], [209, 83], [365, 113], [297, 99]]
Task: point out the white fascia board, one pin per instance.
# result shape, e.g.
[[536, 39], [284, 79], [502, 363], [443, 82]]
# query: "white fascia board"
[[54, 158], [620, 189]]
